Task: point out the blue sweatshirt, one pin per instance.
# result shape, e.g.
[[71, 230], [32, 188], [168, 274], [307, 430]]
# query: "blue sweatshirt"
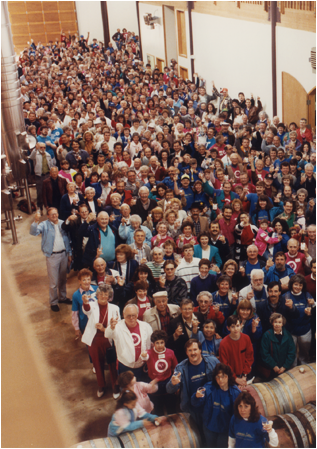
[[301, 325], [248, 434], [218, 407]]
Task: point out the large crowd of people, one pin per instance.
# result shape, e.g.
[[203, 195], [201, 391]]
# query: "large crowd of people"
[[189, 217]]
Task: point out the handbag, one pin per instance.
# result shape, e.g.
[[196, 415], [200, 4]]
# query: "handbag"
[[111, 354]]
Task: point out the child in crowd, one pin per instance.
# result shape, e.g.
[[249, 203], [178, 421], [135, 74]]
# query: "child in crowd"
[[236, 351], [161, 363], [128, 416], [262, 239], [209, 339], [127, 381]]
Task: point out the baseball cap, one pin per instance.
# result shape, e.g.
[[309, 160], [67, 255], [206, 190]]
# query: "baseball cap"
[[269, 176], [185, 177]]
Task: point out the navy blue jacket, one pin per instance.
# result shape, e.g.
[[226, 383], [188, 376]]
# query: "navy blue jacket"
[[264, 311], [93, 243]]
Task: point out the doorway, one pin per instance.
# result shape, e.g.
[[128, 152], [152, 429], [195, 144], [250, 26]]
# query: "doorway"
[[160, 63], [183, 73], [294, 99]]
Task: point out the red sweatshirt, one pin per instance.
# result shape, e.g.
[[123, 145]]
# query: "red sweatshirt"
[[238, 354], [161, 365]]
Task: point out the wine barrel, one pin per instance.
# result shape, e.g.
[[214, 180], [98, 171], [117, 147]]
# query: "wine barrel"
[[100, 442], [287, 392], [296, 429], [177, 430]]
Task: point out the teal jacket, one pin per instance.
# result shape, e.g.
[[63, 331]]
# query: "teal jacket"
[[214, 252], [220, 196], [278, 354]]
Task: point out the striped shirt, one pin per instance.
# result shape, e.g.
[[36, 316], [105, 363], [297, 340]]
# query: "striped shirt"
[[188, 270], [157, 269]]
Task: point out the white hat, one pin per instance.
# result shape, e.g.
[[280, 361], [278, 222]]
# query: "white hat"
[[159, 294]]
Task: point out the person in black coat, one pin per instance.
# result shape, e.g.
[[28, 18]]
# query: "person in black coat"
[[143, 205], [219, 241], [102, 241], [126, 265], [77, 227], [181, 329]]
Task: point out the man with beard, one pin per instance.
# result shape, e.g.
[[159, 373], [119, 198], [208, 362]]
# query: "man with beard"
[[189, 375], [280, 271], [103, 189], [256, 291], [275, 304]]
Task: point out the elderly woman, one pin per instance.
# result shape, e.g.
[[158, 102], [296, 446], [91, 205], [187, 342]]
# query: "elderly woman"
[[208, 310], [91, 201], [161, 237], [79, 319], [153, 219], [126, 232], [131, 337], [156, 265], [100, 315], [70, 201], [277, 348], [114, 209], [88, 143], [230, 269], [176, 206]]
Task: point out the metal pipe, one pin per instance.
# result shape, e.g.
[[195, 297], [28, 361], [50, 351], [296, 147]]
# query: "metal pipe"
[[273, 15], [13, 228], [12, 120], [7, 219], [138, 17], [28, 196], [191, 43], [105, 22]]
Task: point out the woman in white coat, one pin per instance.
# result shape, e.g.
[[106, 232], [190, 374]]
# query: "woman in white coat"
[[100, 314], [131, 337]]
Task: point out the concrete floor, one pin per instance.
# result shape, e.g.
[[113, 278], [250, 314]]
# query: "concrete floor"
[[66, 360]]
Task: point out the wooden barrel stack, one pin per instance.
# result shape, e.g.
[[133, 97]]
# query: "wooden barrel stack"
[[177, 430], [287, 393], [296, 429]]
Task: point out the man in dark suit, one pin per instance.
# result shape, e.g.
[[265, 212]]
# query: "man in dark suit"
[[77, 227], [181, 328], [53, 189]]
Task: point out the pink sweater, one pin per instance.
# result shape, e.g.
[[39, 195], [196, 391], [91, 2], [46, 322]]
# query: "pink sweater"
[[141, 389], [262, 240]]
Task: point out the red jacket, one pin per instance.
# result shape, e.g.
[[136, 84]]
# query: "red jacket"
[[218, 319], [307, 134], [238, 354], [127, 197]]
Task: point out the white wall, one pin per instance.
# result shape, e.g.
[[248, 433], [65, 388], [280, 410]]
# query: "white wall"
[[293, 52], [90, 20], [170, 33], [234, 54], [122, 15], [152, 40]]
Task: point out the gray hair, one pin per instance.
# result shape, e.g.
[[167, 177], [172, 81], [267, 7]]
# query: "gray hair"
[[252, 247], [130, 305], [89, 189], [136, 218], [144, 189], [304, 191], [311, 227], [257, 272], [157, 248], [209, 296], [309, 166], [105, 288]]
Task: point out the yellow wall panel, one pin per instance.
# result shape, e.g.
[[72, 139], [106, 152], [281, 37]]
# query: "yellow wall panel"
[[66, 6], [35, 17], [34, 6], [68, 16], [51, 16], [16, 7], [19, 18], [37, 28], [52, 27], [21, 41], [50, 6], [22, 29]]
